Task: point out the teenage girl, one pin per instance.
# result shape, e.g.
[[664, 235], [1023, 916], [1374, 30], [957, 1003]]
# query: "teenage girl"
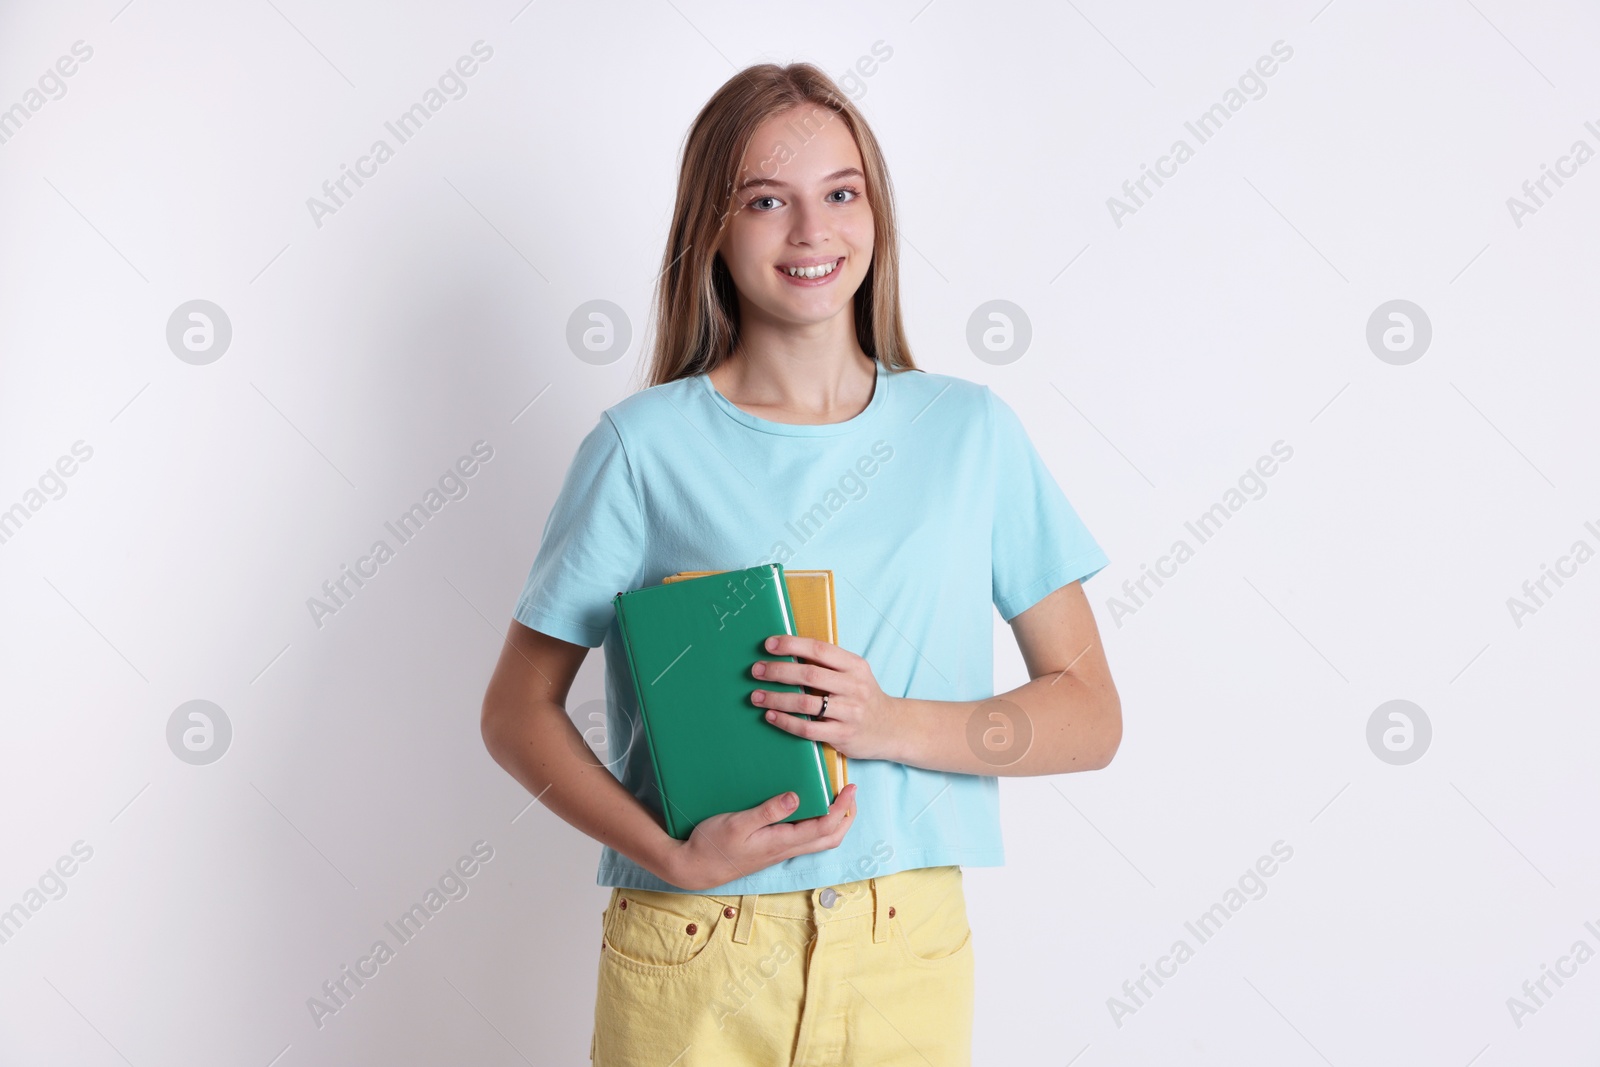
[[784, 421]]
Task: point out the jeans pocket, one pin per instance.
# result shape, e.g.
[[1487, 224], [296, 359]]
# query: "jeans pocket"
[[932, 926], [656, 936]]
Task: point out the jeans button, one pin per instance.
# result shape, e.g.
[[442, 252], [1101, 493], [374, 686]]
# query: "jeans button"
[[827, 897]]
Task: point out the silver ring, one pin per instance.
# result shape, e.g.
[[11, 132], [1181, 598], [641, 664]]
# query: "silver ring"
[[824, 712]]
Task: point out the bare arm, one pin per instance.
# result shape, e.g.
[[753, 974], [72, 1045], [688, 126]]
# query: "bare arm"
[[1068, 717], [527, 731]]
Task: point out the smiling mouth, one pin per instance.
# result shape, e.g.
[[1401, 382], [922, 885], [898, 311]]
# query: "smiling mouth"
[[820, 270]]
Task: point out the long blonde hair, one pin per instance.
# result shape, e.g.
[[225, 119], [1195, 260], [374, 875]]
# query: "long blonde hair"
[[696, 307]]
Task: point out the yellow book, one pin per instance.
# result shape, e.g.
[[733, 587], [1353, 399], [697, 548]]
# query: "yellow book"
[[811, 597]]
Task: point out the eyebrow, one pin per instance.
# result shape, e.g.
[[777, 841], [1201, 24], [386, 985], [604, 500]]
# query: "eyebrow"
[[751, 183]]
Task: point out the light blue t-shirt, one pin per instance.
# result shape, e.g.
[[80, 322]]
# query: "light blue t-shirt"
[[929, 506]]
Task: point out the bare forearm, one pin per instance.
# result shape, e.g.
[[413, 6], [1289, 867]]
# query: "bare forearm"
[[539, 747], [1051, 725]]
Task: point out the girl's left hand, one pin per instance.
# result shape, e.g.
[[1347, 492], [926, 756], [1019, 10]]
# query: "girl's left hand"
[[863, 722]]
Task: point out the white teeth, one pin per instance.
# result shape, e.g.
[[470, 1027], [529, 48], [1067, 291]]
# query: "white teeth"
[[812, 272]]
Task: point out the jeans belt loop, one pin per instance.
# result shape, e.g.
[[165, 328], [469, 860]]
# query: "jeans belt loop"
[[880, 913], [747, 916]]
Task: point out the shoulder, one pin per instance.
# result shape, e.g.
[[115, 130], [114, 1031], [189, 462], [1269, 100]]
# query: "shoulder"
[[958, 397], [966, 410], [635, 416]]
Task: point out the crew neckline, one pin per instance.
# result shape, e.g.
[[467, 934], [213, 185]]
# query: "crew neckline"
[[788, 429]]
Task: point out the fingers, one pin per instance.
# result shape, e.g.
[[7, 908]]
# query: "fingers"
[[808, 674], [794, 725], [809, 648], [737, 843], [775, 809], [834, 733], [800, 703], [841, 813], [844, 805], [822, 832]]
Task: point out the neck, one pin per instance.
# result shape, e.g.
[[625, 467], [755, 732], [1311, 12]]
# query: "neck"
[[787, 387], [817, 373]]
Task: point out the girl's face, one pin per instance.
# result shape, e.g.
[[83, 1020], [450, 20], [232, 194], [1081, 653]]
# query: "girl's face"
[[799, 201]]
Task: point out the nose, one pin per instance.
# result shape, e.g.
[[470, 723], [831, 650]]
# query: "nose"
[[810, 225]]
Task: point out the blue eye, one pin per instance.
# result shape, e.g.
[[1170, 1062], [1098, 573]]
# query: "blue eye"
[[755, 205]]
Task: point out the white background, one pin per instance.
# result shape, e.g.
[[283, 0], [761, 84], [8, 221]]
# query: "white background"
[[369, 353]]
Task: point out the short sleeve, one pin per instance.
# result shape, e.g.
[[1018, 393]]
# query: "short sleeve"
[[1039, 543], [592, 547]]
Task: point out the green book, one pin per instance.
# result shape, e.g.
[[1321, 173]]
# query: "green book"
[[690, 646]]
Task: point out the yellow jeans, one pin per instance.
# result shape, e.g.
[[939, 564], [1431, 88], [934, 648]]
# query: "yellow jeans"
[[878, 971]]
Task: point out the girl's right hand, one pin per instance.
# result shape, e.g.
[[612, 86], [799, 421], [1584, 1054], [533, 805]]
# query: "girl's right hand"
[[739, 843]]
